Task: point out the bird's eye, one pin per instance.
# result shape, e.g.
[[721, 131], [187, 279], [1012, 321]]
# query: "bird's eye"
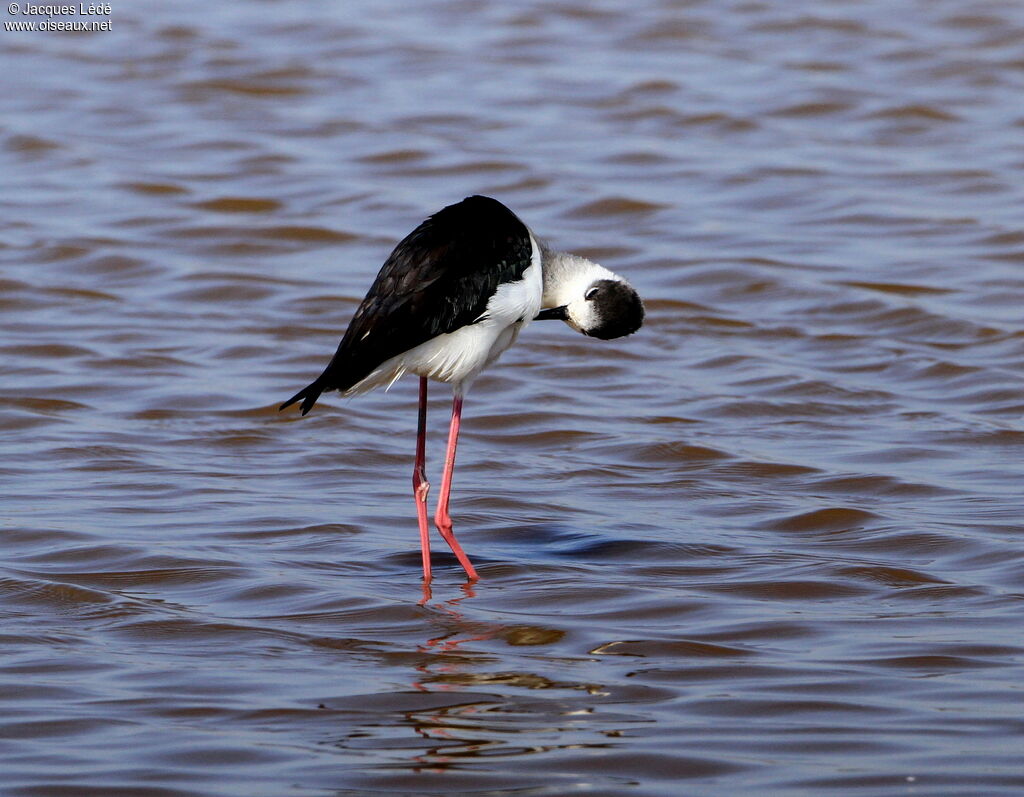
[[590, 294]]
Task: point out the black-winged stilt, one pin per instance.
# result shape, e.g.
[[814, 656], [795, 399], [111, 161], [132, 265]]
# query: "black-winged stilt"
[[451, 297]]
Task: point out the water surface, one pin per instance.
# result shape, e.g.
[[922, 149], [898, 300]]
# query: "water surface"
[[772, 544]]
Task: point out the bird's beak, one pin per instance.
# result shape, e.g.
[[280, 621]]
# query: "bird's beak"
[[553, 313]]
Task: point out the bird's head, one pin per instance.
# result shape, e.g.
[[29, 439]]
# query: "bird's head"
[[589, 298]]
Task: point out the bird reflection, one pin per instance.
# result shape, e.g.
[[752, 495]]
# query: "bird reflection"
[[468, 702], [456, 631], [444, 669]]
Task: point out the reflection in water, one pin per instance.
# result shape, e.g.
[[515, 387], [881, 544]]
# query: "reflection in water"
[[494, 725], [446, 727], [456, 729], [446, 617]]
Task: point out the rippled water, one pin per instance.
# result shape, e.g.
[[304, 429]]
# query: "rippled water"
[[772, 544]]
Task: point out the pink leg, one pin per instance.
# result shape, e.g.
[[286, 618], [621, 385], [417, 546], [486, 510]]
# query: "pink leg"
[[442, 519], [420, 485]]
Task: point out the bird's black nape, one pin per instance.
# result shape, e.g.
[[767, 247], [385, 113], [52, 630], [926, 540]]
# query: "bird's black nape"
[[618, 308]]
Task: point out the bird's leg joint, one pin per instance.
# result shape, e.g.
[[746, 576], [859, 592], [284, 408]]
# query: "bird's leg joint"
[[443, 521], [420, 485]]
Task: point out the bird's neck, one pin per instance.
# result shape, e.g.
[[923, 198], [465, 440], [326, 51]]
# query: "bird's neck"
[[566, 277]]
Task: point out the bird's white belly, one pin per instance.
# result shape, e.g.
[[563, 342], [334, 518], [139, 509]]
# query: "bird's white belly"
[[459, 356]]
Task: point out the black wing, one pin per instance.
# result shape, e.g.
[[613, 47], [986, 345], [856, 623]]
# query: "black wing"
[[438, 279]]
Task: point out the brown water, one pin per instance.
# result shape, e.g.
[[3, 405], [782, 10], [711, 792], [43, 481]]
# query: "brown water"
[[770, 545]]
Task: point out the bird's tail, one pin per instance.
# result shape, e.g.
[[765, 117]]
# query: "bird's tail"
[[309, 394]]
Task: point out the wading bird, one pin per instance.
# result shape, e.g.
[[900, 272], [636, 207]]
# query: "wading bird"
[[451, 297]]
